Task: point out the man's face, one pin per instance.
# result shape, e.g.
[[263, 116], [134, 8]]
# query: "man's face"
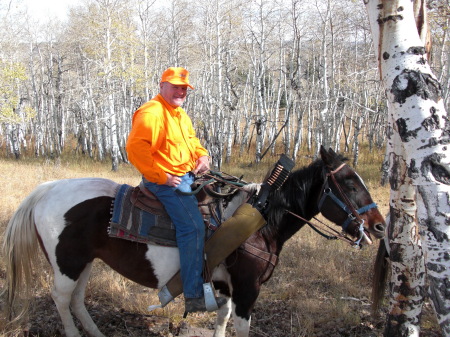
[[173, 94]]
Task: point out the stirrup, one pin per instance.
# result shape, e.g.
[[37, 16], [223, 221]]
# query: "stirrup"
[[211, 303], [210, 299]]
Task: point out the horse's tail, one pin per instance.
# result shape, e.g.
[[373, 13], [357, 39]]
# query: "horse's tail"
[[19, 250], [381, 268]]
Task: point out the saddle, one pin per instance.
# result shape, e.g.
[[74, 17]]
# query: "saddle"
[[207, 195], [143, 199]]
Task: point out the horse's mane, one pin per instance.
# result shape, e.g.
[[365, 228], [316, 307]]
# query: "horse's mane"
[[295, 194]]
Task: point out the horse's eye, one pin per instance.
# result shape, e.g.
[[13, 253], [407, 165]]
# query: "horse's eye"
[[351, 186]]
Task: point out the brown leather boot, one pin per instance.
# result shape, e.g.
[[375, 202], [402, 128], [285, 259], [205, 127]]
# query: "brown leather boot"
[[198, 304]]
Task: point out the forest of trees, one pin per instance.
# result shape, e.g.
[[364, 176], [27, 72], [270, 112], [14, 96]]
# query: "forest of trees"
[[289, 73]]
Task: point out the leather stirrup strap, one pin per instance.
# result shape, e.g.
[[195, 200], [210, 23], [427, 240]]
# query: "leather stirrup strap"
[[228, 237]]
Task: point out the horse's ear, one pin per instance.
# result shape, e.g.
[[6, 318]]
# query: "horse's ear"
[[323, 152], [330, 151], [328, 157]]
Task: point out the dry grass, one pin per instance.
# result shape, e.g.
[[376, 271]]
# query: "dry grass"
[[320, 288]]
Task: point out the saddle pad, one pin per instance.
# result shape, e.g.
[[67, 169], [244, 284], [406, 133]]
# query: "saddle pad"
[[132, 223]]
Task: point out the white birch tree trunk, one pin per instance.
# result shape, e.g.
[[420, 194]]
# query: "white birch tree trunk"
[[421, 176]]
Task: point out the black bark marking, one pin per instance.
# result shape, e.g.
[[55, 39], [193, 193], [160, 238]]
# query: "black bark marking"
[[439, 287], [417, 50], [403, 131], [394, 180], [417, 83], [405, 289], [435, 267], [431, 123], [439, 171], [385, 55], [394, 18], [413, 170], [446, 130]]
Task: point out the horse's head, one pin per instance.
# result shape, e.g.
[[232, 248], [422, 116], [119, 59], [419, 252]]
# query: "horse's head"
[[345, 200]]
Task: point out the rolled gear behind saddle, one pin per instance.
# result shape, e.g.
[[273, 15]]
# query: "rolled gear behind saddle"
[[245, 221]]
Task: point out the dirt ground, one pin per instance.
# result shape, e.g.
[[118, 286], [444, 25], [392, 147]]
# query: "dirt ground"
[[274, 319]]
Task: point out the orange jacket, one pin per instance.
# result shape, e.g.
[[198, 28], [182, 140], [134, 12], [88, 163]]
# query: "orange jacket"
[[162, 139]]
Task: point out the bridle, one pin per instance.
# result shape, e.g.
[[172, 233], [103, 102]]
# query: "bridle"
[[345, 204]]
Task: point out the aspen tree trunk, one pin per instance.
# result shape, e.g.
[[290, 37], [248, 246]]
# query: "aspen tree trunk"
[[287, 130], [419, 163], [13, 140], [144, 13], [325, 116], [229, 138], [221, 125], [246, 119], [110, 99], [355, 146]]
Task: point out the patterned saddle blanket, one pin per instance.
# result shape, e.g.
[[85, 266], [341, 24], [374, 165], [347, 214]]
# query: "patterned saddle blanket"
[[132, 220]]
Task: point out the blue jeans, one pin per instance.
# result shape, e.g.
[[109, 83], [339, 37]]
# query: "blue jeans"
[[190, 231]]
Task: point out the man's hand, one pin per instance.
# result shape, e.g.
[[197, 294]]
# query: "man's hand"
[[202, 165], [173, 181]]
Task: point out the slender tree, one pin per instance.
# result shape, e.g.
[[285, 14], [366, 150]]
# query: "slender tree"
[[419, 166]]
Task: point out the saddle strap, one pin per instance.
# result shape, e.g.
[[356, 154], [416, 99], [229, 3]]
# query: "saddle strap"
[[266, 256], [270, 258]]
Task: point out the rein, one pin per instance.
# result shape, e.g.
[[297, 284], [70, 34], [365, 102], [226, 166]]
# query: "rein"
[[336, 236], [346, 205]]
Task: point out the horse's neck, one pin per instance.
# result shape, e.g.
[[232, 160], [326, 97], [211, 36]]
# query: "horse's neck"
[[307, 184], [299, 194]]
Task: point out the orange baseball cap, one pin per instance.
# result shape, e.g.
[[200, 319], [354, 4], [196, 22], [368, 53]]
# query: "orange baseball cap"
[[177, 76]]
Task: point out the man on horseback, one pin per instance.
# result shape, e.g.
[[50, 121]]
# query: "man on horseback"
[[163, 146]]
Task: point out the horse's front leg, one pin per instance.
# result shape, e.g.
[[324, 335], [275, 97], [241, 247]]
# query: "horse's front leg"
[[244, 298], [244, 272], [221, 279], [241, 322], [223, 315]]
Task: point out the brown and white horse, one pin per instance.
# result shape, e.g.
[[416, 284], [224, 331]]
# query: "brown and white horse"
[[69, 218]]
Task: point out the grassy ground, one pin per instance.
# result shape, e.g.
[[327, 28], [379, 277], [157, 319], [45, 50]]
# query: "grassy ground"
[[319, 288]]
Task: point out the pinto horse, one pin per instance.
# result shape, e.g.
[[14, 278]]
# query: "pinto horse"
[[69, 218]]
